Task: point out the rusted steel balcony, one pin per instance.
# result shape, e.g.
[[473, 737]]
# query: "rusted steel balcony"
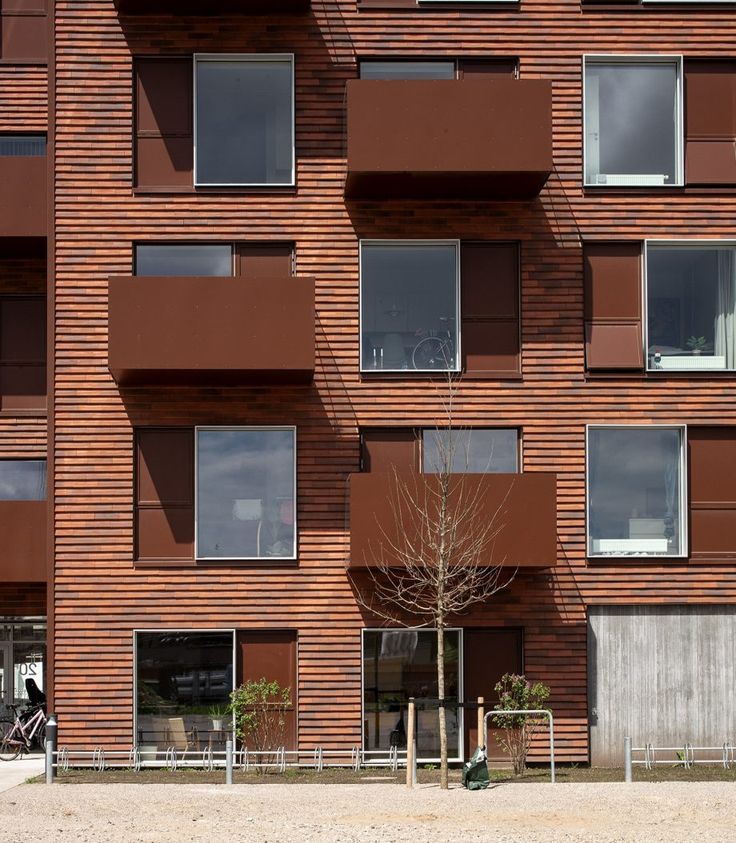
[[521, 507], [214, 7], [23, 539], [205, 330], [23, 196], [475, 138]]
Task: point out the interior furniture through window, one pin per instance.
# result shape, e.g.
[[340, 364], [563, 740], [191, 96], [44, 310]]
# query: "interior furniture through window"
[[691, 306], [635, 493], [245, 493], [633, 125], [409, 305], [401, 663]]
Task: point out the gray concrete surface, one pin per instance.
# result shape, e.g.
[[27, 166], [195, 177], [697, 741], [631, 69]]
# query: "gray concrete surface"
[[13, 773], [371, 813]]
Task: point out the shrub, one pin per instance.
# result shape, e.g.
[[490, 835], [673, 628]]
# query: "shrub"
[[516, 693], [260, 708]]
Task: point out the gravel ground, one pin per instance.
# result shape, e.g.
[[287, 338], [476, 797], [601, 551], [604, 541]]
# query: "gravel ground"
[[370, 813]]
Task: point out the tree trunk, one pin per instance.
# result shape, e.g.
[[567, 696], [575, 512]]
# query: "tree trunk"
[[444, 776]]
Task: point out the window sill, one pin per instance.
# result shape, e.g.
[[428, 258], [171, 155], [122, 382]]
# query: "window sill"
[[660, 375], [411, 374], [639, 561], [224, 563], [169, 190]]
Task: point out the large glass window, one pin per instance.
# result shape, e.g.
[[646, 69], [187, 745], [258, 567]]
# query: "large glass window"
[[246, 480], [470, 450], [180, 678], [409, 306], [184, 259], [691, 306], [398, 664], [407, 70], [23, 480], [632, 121], [244, 120], [22, 146], [635, 491]]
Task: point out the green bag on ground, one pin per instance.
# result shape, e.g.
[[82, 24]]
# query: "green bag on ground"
[[475, 771]]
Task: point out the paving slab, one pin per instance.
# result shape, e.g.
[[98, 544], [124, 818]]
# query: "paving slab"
[[13, 773]]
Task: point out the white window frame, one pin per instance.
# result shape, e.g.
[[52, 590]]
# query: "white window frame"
[[266, 560], [640, 58], [458, 311], [676, 244], [461, 684], [172, 630], [246, 57], [684, 512]]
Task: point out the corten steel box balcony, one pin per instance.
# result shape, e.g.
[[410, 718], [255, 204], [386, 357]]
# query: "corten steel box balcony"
[[475, 138], [214, 7], [23, 196], [23, 541], [207, 330], [523, 508]]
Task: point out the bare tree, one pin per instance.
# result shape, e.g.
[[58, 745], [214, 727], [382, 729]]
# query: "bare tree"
[[436, 560]]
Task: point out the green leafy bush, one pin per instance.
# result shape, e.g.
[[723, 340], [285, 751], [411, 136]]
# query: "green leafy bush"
[[260, 709], [516, 693]]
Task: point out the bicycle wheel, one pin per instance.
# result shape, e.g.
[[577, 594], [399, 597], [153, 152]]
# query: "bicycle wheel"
[[10, 744], [40, 737], [432, 353]]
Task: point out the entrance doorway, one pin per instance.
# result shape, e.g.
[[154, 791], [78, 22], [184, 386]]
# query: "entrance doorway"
[[22, 656]]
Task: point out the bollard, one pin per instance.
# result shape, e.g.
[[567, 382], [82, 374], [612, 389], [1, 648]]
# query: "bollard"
[[628, 777], [411, 774], [414, 758], [481, 720], [52, 741], [228, 762]]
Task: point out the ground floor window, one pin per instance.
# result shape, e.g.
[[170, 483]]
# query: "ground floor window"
[[401, 663], [22, 657], [183, 679]]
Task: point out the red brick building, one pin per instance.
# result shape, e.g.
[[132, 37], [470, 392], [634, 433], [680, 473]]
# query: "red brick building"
[[240, 245]]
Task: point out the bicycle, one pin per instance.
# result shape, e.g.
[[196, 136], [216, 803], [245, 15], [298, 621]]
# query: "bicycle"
[[19, 735], [436, 351]]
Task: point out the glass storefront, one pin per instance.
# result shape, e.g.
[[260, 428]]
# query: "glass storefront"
[[183, 678], [398, 664], [22, 657]]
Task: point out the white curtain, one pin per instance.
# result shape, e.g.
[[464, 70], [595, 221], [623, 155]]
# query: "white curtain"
[[725, 321]]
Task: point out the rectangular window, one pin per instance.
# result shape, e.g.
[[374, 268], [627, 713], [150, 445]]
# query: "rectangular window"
[[398, 664], [244, 120], [470, 450], [22, 353], [633, 120], [184, 259], [245, 493], [691, 306], [636, 489], [23, 480], [22, 146], [180, 676], [407, 70], [409, 306]]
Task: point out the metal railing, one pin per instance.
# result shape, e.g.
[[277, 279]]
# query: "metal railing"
[[676, 756]]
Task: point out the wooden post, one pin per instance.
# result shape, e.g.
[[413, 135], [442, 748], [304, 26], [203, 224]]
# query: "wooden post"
[[410, 744], [481, 718]]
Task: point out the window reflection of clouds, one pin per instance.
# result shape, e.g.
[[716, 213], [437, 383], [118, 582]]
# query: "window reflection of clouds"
[[476, 450], [254, 466], [22, 480]]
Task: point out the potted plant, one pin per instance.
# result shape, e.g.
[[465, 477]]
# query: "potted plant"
[[218, 713], [696, 344]]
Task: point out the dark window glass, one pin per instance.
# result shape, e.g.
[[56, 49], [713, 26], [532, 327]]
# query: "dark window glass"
[[634, 492], [691, 308], [631, 123], [407, 70], [184, 259], [398, 664], [245, 493], [22, 480], [244, 122], [180, 677], [408, 306], [470, 451], [22, 145]]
